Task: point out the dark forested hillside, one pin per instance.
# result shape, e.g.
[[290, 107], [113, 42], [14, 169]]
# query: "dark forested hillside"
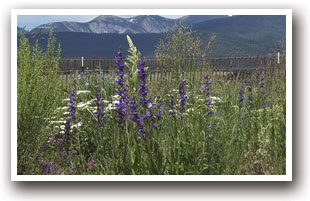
[[255, 27]]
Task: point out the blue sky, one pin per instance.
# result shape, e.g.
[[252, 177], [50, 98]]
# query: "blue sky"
[[32, 21]]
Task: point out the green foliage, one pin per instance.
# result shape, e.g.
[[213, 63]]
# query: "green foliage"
[[38, 94], [241, 140], [132, 62], [181, 50]]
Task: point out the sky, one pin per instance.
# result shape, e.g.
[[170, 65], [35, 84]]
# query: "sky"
[[32, 21]]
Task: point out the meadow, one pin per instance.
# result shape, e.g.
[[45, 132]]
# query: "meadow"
[[124, 124]]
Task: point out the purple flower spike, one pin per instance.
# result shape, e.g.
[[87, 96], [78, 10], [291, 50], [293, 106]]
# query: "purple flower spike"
[[241, 98], [90, 164], [144, 101], [262, 91], [142, 74], [141, 128], [157, 127], [119, 53], [121, 90], [210, 112], [141, 83], [182, 93], [158, 115], [100, 111], [143, 91]]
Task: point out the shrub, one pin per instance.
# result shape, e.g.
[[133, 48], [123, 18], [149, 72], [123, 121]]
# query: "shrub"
[[38, 94]]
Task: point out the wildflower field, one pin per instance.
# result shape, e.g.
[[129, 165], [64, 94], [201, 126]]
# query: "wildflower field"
[[123, 124]]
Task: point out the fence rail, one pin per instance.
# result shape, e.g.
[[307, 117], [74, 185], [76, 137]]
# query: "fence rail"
[[229, 67]]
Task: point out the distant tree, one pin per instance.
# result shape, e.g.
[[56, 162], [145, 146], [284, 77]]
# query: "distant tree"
[[179, 46]]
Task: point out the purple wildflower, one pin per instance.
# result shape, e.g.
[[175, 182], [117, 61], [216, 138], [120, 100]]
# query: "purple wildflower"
[[90, 164], [122, 91], [141, 128], [120, 81], [262, 91], [71, 105], [210, 112], [241, 97], [157, 127], [143, 91], [144, 101], [182, 93], [141, 83], [158, 115], [206, 91], [100, 111], [71, 166]]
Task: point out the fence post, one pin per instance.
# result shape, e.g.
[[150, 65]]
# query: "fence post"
[[251, 71], [230, 71], [107, 64], [112, 65], [78, 65], [263, 65], [100, 63], [89, 67], [82, 64], [67, 67], [155, 70], [241, 63], [74, 65], [242, 67]]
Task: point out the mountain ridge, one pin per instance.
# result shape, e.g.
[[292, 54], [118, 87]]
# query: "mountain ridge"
[[242, 35], [115, 24]]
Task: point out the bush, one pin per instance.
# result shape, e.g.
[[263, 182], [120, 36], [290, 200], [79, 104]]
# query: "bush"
[[38, 94], [181, 50]]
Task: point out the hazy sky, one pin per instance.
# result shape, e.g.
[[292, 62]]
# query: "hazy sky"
[[32, 21]]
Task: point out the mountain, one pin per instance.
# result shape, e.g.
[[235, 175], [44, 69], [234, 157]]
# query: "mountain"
[[112, 24], [241, 35], [152, 23], [107, 44], [193, 19], [255, 27], [109, 24]]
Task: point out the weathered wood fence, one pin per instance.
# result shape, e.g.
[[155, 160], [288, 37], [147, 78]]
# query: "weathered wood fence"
[[229, 67]]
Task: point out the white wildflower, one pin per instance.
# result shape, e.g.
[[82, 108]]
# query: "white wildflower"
[[110, 107], [57, 122], [190, 110], [82, 92]]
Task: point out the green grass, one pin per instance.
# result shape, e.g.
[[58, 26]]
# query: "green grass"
[[241, 141]]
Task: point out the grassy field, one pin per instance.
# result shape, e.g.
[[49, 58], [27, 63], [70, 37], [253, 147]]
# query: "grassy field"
[[139, 123], [223, 127]]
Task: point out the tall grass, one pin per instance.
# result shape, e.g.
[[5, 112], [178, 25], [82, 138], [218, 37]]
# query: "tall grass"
[[176, 127], [38, 94]]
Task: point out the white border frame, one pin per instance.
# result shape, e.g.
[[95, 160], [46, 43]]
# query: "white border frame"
[[287, 177]]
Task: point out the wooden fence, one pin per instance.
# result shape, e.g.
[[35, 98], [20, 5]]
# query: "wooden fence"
[[228, 67]]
